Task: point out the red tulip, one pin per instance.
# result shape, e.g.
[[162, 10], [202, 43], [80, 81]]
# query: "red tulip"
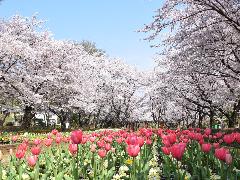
[[228, 138], [206, 147], [20, 153], [36, 150], [76, 136], [165, 150], [73, 148], [133, 150], [32, 160], [102, 153]]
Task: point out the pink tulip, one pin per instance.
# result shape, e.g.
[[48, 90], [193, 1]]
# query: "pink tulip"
[[229, 138], [35, 150], [32, 160], [206, 147], [48, 142], [23, 146], [133, 150], [165, 150], [54, 131], [172, 138], [73, 148], [58, 140], [102, 153], [216, 145], [207, 131], [37, 141], [140, 141], [228, 158], [14, 138], [237, 138], [101, 143], [20, 153], [221, 153], [148, 141], [177, 150], [119, 140], [92, 138], [132, 140], [108, 146], [84, 140], [93, 148], [76, 136]]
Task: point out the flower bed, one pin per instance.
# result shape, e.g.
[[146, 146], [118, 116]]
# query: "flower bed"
[[120, 154]]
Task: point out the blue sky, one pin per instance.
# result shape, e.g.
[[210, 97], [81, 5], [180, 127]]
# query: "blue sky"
[[111, 24]]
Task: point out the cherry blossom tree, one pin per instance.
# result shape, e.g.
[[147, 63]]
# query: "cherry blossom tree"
[[201, 53], [63, 77]]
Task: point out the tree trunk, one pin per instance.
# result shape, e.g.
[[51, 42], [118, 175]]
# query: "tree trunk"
[[63, 119], [211, 116], [232, 119], [200, 119], [28, 116], [79, 119]]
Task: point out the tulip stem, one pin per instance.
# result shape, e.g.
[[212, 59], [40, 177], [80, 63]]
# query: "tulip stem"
[[77, 159], [178, 170], [134, 168], [36, 174]]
